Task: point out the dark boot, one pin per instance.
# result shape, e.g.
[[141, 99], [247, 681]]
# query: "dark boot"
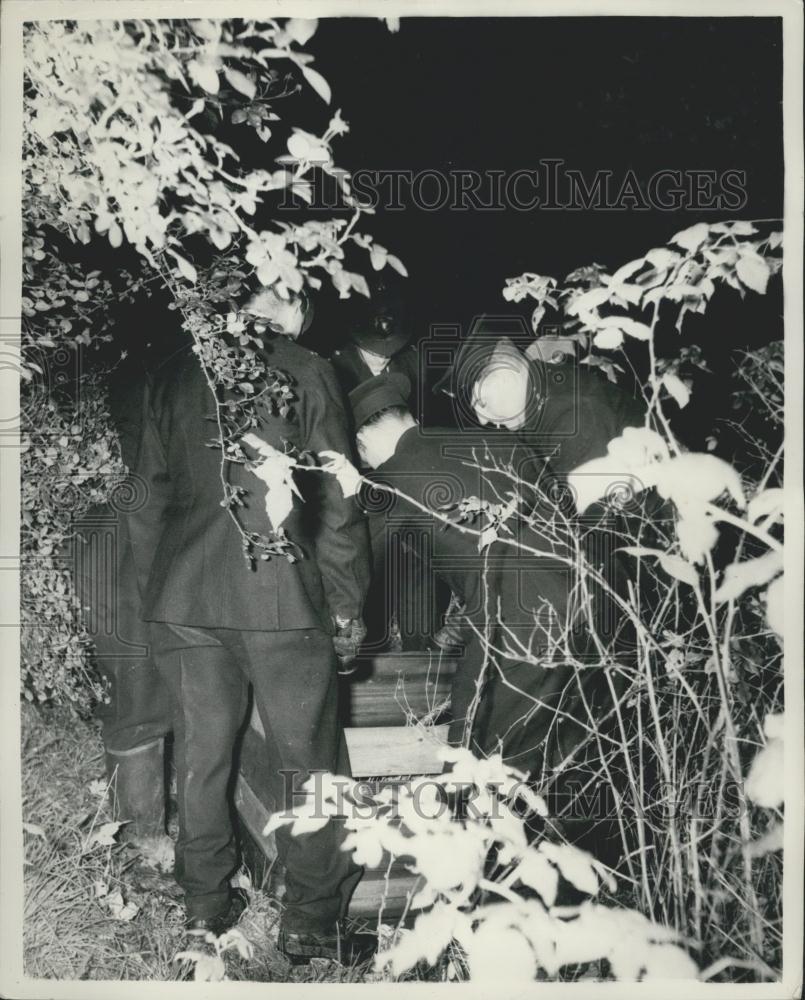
[[137, 782]]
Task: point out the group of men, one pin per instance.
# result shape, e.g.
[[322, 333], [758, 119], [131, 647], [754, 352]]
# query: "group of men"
[[215, 626]]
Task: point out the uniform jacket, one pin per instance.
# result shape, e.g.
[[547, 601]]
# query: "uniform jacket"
[[352, 370], [200, 576], [509, 589], [435, 469], [577, 412]]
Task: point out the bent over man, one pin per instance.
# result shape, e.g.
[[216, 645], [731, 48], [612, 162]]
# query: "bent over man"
[[220, 623], [535, 668]]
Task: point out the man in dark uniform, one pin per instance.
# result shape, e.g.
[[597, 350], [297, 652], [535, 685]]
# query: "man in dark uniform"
[[379, 341], [517, 604], [113, 550], [397, 612], [565, 411], [219, 623]]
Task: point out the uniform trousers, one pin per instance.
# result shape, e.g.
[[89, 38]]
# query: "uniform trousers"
[[294, 678]]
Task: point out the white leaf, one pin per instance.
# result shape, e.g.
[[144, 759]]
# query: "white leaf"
[[301, 29], [679, 568], [608, 339], [667, 961], [240, 82], [662, 258], [185, 267], [430, 935], [196, 108], [588, 301], [34, 829], [677, 389], [105, 835], [774, 725], [753, 271], [696, 476], [119, 909], [696, 531], [769, 503], [378, 257], [235, 938], [275, 821], [736, 228], [487, 537], [772, 840], [359, 283], [692, 238], [630, 327], [308, 147], [365, 846], [626, 271], [220, 238], [499, 954], [738, 577], [98, 787], [535, 870], [318, 83], [205, 75], [349, 479], [577, 866], [397, 264], [276, 471], [765, 783], [424, 898], [115, 235]]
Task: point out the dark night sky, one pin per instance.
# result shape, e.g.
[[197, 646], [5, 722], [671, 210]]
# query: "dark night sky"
[[484, 94], [503, 93]]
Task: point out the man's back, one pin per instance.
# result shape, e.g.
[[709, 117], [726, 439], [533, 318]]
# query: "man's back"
[[200, 575], [581, 412]]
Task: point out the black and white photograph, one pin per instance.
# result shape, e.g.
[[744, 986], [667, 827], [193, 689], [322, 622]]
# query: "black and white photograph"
[[395, 400]]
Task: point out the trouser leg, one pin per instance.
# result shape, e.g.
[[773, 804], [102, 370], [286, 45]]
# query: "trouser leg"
[[294, 675], [209, 698], [137, 713]]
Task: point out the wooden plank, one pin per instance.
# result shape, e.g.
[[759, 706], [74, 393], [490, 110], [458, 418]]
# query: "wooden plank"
[[255, 816], [386, 689], [377, 751], [374, 751]]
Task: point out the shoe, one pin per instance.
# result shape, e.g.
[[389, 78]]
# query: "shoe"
[[221, 922], [354, 949]]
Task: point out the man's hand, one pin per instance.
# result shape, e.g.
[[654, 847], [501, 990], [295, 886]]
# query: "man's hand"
[[348, 638]]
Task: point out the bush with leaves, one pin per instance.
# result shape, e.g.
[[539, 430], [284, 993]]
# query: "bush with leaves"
[[69, 463], [120, 149]]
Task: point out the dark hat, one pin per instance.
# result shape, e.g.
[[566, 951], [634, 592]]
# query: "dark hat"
[[380, 323], [378, 393]]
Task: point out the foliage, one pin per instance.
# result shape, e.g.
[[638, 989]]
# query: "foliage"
[[69, 463], [476, 915], [121, 148]]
